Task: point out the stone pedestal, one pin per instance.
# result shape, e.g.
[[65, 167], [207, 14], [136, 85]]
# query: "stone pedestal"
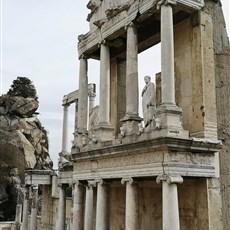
[[60, 225], [78, 206], [33, 221], [170, 206], [102, 206], [88, 218], [131, 208]]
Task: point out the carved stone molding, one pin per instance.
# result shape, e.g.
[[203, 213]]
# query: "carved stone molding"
[[170, 179]]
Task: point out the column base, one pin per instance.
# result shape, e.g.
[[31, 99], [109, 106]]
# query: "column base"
[[103, 132], [168, 119], [130, 124]]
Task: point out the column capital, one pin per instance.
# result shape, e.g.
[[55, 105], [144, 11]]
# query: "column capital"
[[91, 184], [103, 42], [83, 56], [130, 24], [165, 3], [128, 180], [170, 179]]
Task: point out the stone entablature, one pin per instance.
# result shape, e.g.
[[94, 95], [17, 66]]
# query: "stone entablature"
[[174, 156], [36, 177], [108, 20]]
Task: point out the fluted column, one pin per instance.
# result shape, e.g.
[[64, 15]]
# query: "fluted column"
[[104, 111], [65, 130], [78, 206], [25, 209], [60, 225], [170, 206], [167, 52], [131, 208], [102, 206], [83, 95], [33, 222], [88, 218]]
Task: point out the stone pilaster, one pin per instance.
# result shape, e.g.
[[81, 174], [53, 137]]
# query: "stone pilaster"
[[65, 130], [131, 208], [170, 206], [131, 119], [33, 221], [102, 206], [60, 225], [88, 218], [78, 206], [25, 209]]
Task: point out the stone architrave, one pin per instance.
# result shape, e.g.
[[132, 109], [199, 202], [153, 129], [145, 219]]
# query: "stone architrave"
[[170, 206], [131, 205], [148, 100]]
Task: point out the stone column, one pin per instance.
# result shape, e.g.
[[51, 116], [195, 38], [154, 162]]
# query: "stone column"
[[18, 216], [131, 208], [25, 209], [167, 52], [83, 96], [88, 218], [60, 225], [78, 206], [33, 221], [65, 130], [132, 118], [170, 207], [104, 111], [102, 206]]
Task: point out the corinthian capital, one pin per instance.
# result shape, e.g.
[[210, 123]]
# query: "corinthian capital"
[[166, 2]]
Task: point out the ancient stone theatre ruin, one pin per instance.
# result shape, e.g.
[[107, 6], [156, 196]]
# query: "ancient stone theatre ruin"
[[163, 173]]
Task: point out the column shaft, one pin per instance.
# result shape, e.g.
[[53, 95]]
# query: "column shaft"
[[167, 55], [65, 130], [88, 218], [83, 96], [25, 212], [78, 207], [33, 221], [132, 72], [61, 209], [104, 111], [170, 207], [102, 209]]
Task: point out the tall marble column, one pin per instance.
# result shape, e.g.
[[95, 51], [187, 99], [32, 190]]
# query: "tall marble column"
[[131, 208], [60, 225], [65, 130], [102, 206], [78, 206], [33, 222], [167, 52], [131, 118], [83, 96], [88, 218], [170, 206], [104, 111], [25, 209]]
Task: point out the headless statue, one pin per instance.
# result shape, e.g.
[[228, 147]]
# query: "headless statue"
[[148, 100]]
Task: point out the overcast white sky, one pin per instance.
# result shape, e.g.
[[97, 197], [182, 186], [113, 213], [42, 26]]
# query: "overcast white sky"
[[39, 41]]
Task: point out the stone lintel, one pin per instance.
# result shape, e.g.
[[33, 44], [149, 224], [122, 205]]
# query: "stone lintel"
[[36, 177]]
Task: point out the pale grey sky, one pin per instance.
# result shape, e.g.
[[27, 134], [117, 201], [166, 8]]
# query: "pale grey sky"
[[39, 41]]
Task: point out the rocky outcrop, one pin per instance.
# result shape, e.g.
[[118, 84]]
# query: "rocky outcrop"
[[23, 142]]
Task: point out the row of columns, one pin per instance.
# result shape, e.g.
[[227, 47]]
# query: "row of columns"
[[132, 103], [83, 208]]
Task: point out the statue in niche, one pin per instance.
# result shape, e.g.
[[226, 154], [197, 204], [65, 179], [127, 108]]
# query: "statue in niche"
[[148, 100]]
